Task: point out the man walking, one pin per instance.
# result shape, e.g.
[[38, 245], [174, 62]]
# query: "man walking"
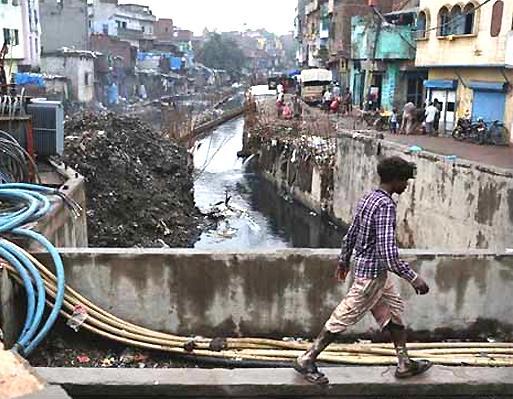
[[372, 238]]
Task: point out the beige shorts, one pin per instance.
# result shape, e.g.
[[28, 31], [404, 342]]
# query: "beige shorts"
[[379, 296]]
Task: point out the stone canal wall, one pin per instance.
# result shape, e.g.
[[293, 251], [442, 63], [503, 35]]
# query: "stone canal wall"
[[451, 205], [281, 293], [300, 169]]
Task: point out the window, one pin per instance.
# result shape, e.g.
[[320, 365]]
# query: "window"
[[422, 25], [37, 45], [443, 22], [497, 14], [469, 11], [105, 29], [87, 78], [457, 21], [142, 28], [124, 25], [15, 2], [11, 36], [4, 1]]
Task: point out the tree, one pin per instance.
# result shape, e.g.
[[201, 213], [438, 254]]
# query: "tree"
[[220, 52]]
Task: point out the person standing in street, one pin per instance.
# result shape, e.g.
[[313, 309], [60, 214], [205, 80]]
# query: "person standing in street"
[[393, 121], [372, 237], [336, 90], [408, 119], [436, 123], [430, 114], [347, 102]]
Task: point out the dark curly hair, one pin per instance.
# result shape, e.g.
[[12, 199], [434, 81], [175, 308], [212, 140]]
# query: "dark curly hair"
[[395, 168]]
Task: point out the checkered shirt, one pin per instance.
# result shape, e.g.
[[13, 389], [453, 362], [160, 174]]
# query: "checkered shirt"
[[372, 239]]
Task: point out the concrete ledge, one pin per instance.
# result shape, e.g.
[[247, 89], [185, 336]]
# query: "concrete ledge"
[[346, 382]]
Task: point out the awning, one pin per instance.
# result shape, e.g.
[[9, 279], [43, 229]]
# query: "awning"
[[488, 86], [441, 84]]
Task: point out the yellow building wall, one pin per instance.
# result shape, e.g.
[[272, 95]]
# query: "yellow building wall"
[[477, 49], [464, 95]]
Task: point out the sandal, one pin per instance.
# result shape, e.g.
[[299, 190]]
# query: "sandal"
[[311, 373], [415, 368]]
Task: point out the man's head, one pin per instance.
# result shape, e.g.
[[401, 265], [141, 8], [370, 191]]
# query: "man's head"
[[395, 172]]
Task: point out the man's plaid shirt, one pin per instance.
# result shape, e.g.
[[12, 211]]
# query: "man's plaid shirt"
[[372, 237]]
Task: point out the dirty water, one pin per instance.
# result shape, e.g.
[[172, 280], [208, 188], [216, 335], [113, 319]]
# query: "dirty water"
[[256, 216]]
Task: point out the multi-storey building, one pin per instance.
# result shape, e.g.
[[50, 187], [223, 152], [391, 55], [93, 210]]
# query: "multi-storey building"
[[11, 33], [64, 23], [31, 35], [467, 47]]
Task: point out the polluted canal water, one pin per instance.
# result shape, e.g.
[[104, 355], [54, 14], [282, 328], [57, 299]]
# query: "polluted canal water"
[[255, 215]]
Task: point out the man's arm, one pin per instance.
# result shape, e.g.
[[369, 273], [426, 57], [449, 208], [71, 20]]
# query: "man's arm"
[[386, 243], [348, 243]]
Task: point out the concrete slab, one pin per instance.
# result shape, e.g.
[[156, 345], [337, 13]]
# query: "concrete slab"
[[346, 382]]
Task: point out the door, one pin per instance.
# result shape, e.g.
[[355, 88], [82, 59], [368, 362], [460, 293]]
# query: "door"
[[488, 105], [447, 98]]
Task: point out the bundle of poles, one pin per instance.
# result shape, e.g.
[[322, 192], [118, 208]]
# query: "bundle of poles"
[[240, 350]]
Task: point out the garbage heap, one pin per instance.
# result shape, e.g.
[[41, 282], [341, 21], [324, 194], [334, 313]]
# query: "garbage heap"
[[139, 183]]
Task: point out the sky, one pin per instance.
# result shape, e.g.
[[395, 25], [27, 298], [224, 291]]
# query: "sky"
[[276, 16]]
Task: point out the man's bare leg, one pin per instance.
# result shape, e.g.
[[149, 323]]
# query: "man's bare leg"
[[305, 364], [405, 366]]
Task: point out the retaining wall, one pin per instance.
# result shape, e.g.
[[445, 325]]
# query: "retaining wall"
[[281, 293], [451, 204]]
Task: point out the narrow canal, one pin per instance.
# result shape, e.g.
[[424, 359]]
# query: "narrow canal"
[[256, 216]]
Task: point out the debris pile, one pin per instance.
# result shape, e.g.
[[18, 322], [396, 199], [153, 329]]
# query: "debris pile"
[[139, 183]]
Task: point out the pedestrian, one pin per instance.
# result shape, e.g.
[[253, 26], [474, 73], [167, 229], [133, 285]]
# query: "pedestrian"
[[408, 119], [335, 105], [436, 123], [372, 237], [280, 103], [296, 106], [326, 99], [430, 114], [287, 112], [336, 90], [393, 121], [280, 89], [347, 102]]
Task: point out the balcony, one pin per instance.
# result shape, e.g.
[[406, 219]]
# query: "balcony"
[[134, 34]]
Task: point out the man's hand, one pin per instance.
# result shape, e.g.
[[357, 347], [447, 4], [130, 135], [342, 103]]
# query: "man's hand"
[[420, 286], [342, 271]]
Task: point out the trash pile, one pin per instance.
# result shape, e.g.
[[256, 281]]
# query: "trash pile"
[[139, 183]]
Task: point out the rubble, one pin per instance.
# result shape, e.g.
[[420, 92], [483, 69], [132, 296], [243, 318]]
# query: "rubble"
[[139, 183]]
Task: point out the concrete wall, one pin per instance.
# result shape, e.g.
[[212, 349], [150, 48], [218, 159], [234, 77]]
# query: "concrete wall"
[[450, 205], [280, 293], [74, 67], [293, 170], [60, 226], [64, 25]]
